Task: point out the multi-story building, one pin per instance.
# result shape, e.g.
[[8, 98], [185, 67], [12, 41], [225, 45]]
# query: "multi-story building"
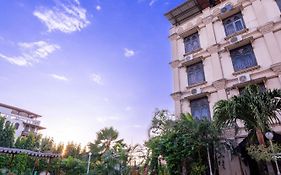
[[24, 121], [219, 47]]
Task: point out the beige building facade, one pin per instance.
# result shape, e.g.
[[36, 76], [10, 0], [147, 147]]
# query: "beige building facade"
[[219, 47]]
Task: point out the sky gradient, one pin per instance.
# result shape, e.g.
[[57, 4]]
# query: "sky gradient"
[[84, 65]]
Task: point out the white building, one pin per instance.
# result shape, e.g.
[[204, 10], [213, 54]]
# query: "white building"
[[25, 122], [218, 48]]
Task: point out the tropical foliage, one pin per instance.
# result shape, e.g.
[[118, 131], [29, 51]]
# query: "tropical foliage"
[[109, 153], [255, 108], [181, 146]]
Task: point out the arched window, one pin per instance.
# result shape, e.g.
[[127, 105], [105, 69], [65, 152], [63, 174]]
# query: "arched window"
[[200, 108], [233, 24], [195, 74], [243, 58], [191, 43], [17, 126], [8, 123]]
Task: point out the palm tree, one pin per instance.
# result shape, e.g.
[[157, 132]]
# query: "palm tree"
[[108, 152], [255, 108]]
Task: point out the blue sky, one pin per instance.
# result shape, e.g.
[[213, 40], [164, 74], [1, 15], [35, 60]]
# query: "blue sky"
[[87, 64]]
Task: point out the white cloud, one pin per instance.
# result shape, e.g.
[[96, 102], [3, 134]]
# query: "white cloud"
[[98, 7], [128, 52], [31, 53], [152, 2], [59, 77], [96, 78], [106, 99], [66, 17], [128, 108], [136, 126], [107, 119]]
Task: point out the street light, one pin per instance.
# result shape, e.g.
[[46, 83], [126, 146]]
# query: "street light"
[[89, 161], [269, 136]]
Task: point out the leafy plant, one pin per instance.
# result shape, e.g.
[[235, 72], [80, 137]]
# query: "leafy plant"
[[262, 152]]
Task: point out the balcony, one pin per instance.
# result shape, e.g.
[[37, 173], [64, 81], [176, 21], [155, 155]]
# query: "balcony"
[[25, 120]]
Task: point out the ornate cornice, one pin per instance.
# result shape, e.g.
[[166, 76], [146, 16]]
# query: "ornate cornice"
[[276, 68], [266, 28], [208, 19], [213, 49], [220, 84], [175, 63], [176, 96], [173, 36]]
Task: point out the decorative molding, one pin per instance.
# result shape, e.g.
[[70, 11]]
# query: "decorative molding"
[[216, 11], [173, 36], [176, 96], [213, 49], [220, 84], [266, 28], [208, 19], [276, 68], [175, 63], [199, 20]]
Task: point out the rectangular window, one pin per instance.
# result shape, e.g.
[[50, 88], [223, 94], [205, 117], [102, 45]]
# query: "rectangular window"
[[191, 43], [243, 57], [200, 108], [233, 24], [279, 3], [195, 74], [260, 85]]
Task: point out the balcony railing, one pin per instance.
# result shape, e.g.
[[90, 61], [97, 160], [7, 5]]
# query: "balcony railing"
[[21, 118]]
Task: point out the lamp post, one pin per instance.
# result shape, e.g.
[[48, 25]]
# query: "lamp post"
[[269, 136], [89, 161]]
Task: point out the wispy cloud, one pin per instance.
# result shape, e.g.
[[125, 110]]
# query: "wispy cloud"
[[59, 77], [107, 119], [106, 99], [31, 53], [128, 52], [66, 17], [96, 78], [152, 2], [98, 7], [136, 126], [128, 108]]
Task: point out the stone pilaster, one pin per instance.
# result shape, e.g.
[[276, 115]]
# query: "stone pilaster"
[[271, 42]]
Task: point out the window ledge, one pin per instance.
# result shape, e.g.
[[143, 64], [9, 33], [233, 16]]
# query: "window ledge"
[[236, 33], [192, 52], [246, 70], [195, 60], [195, 85]]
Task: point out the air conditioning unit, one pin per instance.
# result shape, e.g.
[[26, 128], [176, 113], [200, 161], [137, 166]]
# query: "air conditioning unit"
[[188, 57], [244, 78], [196, 91], [235, 39], [226, 8]]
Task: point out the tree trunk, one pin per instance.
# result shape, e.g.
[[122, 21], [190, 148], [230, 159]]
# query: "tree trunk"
[[184, 170], [260, 137]]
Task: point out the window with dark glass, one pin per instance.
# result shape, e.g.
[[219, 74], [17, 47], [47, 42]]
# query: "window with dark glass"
[[195, 74], [243, 57], [17, 126], [191, 43], [279, 3], [260, 85], [233, 24], [200, 108], [8, 123]]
